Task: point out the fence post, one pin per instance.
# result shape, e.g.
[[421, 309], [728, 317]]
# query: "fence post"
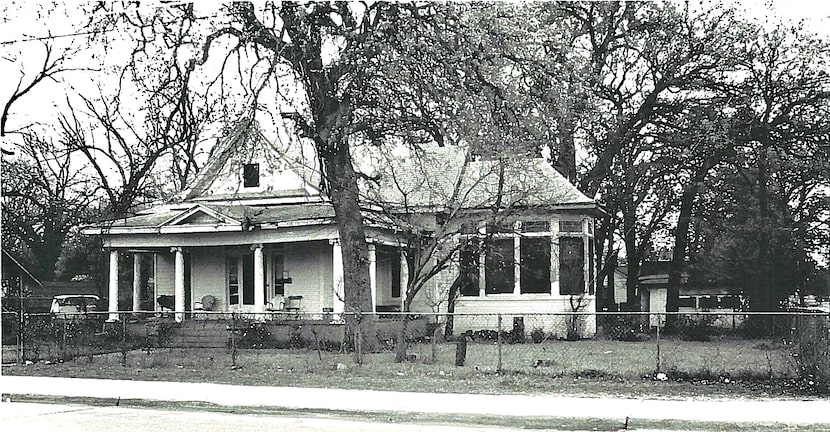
[[20, 326], [358, 339], [63, 340], [658, 342], [233, 339], [498, 343]]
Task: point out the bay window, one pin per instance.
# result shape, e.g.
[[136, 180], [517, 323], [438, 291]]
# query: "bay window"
[[522, 258]]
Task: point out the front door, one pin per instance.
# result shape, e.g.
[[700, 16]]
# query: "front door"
[[239, 282]]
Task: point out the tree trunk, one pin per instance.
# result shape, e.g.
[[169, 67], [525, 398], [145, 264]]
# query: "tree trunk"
[[401, 343], [681, 241], [342, 182], [763, 296], [630, 239], [566, 162], [605, 265], [451, 298]]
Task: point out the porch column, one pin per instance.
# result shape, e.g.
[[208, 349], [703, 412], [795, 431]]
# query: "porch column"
[[113, 286], [178, 283], [554, 256], [259, 282], [338, 301], [373, 275], [404, 279], [136, 282]]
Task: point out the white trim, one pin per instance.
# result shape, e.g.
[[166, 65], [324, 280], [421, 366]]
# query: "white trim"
[[223, 220], [297, 199], [161, 230]]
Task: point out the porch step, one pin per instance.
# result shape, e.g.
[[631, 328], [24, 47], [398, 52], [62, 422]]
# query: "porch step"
[[201, 334]]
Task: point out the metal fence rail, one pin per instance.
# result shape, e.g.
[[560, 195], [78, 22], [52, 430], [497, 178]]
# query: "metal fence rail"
[[723, 346]]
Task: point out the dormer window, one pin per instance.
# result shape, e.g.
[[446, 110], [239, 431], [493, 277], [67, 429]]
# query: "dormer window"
[[250, 175]]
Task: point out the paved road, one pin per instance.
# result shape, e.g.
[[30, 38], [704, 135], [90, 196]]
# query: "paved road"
[[807, 412], [18, 416]]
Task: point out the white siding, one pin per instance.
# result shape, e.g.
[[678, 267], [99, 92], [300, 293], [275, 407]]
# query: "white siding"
[[537, 310], [303, 261], [207, 275]]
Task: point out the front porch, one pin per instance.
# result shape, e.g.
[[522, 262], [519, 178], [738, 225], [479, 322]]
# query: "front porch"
[[265, 281]]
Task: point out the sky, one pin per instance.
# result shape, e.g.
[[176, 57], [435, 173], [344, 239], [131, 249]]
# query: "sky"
[[21, 57], [20, 21]]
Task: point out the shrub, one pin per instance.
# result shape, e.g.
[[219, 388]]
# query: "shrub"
[[628, 328], [696, 327], [538, 335]]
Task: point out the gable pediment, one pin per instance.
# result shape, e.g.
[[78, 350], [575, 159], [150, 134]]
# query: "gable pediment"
[[201, 216]]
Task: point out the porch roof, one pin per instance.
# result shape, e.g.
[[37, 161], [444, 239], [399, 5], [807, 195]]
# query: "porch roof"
[[164, 217]]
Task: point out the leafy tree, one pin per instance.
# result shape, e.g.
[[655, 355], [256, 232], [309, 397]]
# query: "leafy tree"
[[778, 175], [44, 199]]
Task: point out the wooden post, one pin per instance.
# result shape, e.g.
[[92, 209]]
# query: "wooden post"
[[498, 342], [113, 286]]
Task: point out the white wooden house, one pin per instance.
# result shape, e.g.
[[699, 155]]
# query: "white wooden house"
[[253, 233]]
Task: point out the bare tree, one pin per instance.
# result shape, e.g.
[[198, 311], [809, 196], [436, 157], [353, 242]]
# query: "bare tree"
[[53, 65], [45, 197]]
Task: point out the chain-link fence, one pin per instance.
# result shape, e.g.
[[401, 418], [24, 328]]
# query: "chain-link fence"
[[716, 346]]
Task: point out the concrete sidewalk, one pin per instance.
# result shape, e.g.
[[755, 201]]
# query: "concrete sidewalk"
[[721, 410]]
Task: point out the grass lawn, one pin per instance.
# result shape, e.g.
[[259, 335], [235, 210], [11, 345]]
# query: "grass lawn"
[[590, 367]]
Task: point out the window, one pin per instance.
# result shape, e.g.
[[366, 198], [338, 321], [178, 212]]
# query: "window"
[[518, 259], [499, 266], [280, 275], [232, 265], [571, 265], [730, 302], [395, 262], [469, 268], [686, 301], [250, 175], [248, 279], [535, 226], [535, 265], [708, 302], [591, 275]]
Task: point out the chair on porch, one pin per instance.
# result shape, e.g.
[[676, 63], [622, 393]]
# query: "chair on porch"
[[205, 305], [293, 303], [277, 304]]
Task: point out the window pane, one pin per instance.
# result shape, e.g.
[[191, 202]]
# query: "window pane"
[[248, 279], [535, 226], [685, 301], [570, 226], [503, 227], [279, 275], [395, 262], [469, 268], [233, 280], [498, 267], [591, 276], [535, 259], [708, 302], [250, 175], [571, 266], [730, 302]]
